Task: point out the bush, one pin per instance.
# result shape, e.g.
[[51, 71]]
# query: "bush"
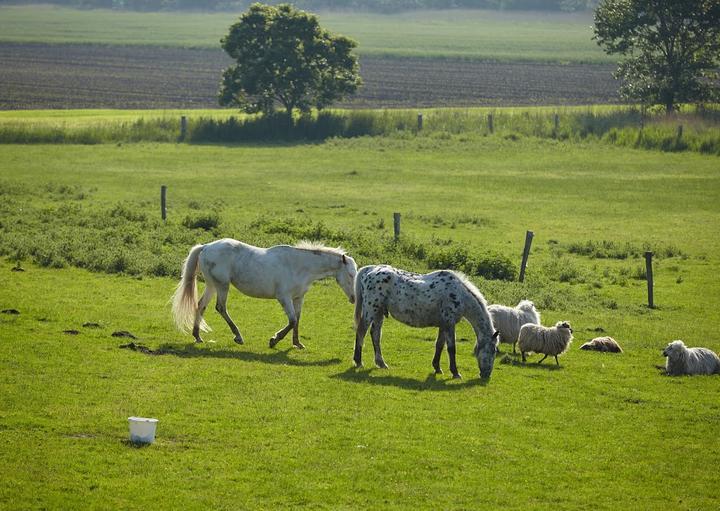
[[487, 265], [206, 221]]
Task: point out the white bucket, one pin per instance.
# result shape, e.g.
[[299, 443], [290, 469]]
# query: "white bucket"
[[142, 430]]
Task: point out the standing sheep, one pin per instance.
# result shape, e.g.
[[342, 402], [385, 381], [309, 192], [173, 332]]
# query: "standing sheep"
[[548, 341], [509, 320], [683, 360]]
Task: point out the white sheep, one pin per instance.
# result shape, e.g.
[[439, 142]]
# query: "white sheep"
[[548, 341], [683, 360], [509, 320], [604, 344]]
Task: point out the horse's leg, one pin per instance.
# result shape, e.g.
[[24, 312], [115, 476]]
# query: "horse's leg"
[[289, 309], [439, 345], [202, 305], [376, 334], [297, 305], [221, 307], [362, 329], [450, 333]]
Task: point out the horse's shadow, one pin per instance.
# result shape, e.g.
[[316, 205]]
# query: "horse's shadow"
[[281, 357], [433, 381]]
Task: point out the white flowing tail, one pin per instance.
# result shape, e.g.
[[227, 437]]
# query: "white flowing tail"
[[185, 301]]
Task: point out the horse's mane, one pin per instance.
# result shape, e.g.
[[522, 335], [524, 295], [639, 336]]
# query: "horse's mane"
[[318, 247], [472, 288]]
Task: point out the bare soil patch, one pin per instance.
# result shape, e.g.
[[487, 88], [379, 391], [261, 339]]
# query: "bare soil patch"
[[36, 76]]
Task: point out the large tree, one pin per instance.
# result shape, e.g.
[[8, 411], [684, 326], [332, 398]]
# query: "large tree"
[[670, 48], [283, 57]]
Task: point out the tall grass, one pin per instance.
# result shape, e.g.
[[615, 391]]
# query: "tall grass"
[[694, 129]]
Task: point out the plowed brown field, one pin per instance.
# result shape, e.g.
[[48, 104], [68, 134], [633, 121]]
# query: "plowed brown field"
[[35, 76]]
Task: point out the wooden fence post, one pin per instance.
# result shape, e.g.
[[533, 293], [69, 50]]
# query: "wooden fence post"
[[556, 121], [396, 225], [649, 275], [183, 127], [679, 134], [490, 123], [420, 122], [163, 193], [526, 253]]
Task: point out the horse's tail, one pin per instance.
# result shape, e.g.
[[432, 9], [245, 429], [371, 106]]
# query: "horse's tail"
[[358, 296], [184, 301]]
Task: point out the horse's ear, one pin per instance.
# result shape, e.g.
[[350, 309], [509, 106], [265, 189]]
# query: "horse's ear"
[[344, 259]]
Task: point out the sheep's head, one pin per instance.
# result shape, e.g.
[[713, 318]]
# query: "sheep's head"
[[563, 324], [526, 305], [674, 348]]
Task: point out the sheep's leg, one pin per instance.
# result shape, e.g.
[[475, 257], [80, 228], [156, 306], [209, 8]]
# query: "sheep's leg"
[[439, 345], [523, 356], [556, 360], [514, 352], [540, 362]]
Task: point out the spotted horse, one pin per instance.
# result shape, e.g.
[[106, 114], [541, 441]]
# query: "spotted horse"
[[441, 299]]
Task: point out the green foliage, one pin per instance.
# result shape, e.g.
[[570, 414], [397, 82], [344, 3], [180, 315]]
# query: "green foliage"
[[284, 57], [489, 266], [207, 221], [671, 48]]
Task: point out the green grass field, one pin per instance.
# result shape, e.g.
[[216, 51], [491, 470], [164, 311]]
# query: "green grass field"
[[492, 35], [249, 427]]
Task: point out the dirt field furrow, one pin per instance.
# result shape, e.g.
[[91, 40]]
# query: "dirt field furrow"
[[87, 76]]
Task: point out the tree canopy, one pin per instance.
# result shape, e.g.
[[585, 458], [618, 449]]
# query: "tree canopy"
[[284, 57], [670, 48]]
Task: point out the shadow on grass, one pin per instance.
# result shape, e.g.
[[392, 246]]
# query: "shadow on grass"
[[514, 360], [435, 382], [135, 445], [272, 357]]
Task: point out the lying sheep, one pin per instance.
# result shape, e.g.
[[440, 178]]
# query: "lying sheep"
[[605, 344], [683, 360], [508, 320], [548, 341]]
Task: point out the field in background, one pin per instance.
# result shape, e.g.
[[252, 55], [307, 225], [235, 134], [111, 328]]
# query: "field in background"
[[247, 426], [479, 35]]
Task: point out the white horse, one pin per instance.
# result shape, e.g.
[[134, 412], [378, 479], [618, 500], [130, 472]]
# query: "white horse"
[[440, 299], [281, 272]]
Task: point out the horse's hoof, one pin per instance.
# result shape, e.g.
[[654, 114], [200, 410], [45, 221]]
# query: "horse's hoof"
[[239, 340], [198, 340], [273, 342], [382, 365], [457, 376], [299, 345], [358, 365], [437, 370]]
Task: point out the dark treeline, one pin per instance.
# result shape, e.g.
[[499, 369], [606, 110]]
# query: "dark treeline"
[[357, 5]]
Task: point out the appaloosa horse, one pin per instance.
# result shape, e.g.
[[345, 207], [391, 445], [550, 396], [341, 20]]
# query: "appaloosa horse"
[[440, 299]]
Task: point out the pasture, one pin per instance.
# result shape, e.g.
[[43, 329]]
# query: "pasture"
[[253, 427]]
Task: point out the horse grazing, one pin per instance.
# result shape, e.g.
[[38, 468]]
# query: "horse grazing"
[[281, 272], [440, 299]]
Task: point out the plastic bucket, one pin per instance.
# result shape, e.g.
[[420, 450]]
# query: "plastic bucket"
[[142, 430]]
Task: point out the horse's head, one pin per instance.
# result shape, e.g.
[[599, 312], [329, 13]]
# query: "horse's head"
[[345, 276], [485, 350]]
